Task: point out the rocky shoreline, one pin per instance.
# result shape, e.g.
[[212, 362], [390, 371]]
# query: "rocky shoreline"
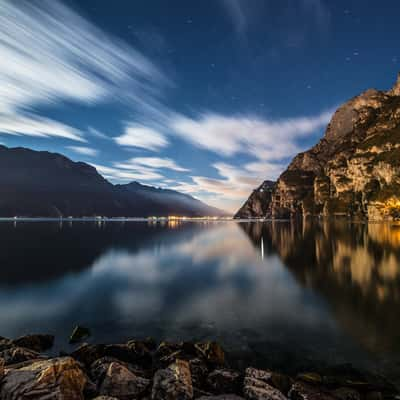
[[144, 369]]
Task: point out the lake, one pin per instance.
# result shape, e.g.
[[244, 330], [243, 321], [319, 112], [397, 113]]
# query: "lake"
[[275, 294]]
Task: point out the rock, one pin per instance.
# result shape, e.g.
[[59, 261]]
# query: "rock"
[[304, 391], [2, 362], [224, 381], [5, 344], [279, 381], [15, 355], [174, 382], [105, 398], [55, 379], [165, 349], [374, 396], [310, 377], [212, 352], [263, 392], [88, 353], [133, 352], [121, 382], [345, 393], [36, 342], [221, 397], [79, 333], [199, 372], [258, 204]]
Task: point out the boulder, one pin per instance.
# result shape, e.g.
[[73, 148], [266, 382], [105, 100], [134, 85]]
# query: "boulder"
[[212, 352], [257, 386], [55, 379], [221, 397], [15, 355], [2, 362], [36, 342], [105, 398], [79, 333], [303, 391], [88, 353], [224, 381], [199, 372], [119, 381], [5, 343], [174, 382], [345, 393], [278, 381]]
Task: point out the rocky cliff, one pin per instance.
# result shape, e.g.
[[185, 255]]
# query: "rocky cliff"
[[259, 201], [353, 171]]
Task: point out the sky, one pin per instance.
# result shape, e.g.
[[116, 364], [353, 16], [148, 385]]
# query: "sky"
[[207, 97]]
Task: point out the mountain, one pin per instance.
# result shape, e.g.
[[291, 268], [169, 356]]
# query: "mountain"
[[159, 201], [353, 171], [258, 203], [43, 184]]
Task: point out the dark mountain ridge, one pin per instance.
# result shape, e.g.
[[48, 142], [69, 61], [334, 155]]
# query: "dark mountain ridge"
[[44, 184]]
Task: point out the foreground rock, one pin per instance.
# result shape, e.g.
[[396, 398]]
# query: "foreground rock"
[[139, 370], [56, 379], [174, 382]]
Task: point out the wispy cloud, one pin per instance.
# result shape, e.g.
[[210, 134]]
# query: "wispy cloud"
[[264, 139], [32, 125], [137, 135], [152, 162], [44, 59], [127, 175], [96, 133], [85, 151]]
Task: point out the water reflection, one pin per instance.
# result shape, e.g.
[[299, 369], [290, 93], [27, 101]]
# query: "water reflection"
[[277, 293]]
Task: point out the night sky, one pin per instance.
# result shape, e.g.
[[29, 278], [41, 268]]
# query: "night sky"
[[209, 97]]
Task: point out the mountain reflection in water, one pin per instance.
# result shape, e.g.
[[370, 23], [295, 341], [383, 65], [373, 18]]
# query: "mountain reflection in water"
[[321, 293]]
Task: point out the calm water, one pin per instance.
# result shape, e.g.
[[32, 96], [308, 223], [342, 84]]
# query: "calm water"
[[278, 294]]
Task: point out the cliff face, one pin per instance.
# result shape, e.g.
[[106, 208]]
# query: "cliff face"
[[354, 170], [258, 203]]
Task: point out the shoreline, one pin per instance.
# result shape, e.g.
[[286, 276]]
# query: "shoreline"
[[145, 369]]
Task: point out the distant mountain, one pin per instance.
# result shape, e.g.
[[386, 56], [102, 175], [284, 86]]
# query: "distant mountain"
[[159, 201], [353, 171], [44, 184]]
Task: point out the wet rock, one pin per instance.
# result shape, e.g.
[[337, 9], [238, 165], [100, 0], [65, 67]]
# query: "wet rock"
[[212, 352], [303, 391], [224, 381], [132, 352], [15, 355], [79, 333], [56, 379], [257, 386], [174, 382], [35, 342], [5, 343], [345, 393], [105, 398], [88, 353], [374, 396], [279, 381], [119, 381], [310, 377], [165, 349], [1, 367], [222, 397], [199, 372]]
